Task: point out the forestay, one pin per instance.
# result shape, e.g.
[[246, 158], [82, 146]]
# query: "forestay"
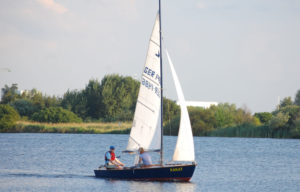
[[184, 150], [146, 130]]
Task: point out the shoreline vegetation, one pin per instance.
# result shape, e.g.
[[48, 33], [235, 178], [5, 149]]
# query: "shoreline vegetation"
[[89, 128], [108, 106], [248, 131]]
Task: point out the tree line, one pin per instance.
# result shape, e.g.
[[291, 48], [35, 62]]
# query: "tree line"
[[227, 120], [114, 99]]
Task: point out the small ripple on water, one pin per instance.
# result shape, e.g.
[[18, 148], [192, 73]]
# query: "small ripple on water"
[[42, 175], [65, 162]]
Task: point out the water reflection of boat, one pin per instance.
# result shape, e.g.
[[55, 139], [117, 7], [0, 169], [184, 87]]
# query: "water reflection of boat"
[[162, 186], [147, 125]]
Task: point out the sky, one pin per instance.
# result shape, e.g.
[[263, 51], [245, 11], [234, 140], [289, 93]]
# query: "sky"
[[236, 51]]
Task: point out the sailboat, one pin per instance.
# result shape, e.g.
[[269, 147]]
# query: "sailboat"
[[147, 126]]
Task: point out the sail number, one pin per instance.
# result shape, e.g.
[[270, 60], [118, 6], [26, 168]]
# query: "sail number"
[[150, 86], [175, 169], [152, 74]]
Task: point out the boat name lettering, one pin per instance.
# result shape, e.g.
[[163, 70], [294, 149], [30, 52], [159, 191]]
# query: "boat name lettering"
[[176, 169]]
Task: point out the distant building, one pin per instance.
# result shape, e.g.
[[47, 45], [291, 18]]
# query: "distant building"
[[204, 104]]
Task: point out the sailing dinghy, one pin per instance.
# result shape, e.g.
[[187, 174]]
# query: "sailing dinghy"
[[147, 127]]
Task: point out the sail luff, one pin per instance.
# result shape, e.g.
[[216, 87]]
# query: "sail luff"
[[184, 150]]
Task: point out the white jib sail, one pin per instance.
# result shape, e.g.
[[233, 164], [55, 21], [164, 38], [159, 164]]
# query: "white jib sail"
[[146, 130], [184, 150]]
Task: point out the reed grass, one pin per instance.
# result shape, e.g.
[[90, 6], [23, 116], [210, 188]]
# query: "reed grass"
[[263, 131], [97, 128], [124, 128]]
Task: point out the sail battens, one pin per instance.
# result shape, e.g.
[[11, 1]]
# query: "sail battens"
[[157, 84], [134, 140], [146, 106], [145, 131], [154, 42]]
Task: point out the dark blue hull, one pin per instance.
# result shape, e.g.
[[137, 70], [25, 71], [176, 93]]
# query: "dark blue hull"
[[155, 173]]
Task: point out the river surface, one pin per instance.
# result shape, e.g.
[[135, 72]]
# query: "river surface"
[[65, 162]]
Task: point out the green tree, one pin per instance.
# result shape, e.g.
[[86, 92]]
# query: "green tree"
[[243, 116], [119, 96], [202, 120], [264, 117], [286, 102], [39, 100], [76, 102], [279, 120], [224, 115], [55, 115], [291, 111], [256, 121], [24, 107], [171, 127], [9, 94], [35, 96], [51, 101], [93, 98], [8, 117], [295, 132], [297, 98], [170, 109]]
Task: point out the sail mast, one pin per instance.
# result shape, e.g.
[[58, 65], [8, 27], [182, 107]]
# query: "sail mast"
[[161, 81]]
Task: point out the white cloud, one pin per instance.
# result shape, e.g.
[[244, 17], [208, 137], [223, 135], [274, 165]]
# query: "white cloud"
[[50, 4]]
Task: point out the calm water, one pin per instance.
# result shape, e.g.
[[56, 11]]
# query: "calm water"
[[65, 162]]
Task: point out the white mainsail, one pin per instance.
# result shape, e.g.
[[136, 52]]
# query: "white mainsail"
[[184, 150], [146, 129]]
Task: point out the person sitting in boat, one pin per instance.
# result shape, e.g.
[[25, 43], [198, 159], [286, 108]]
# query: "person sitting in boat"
[[111, 161], [145, 158]]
